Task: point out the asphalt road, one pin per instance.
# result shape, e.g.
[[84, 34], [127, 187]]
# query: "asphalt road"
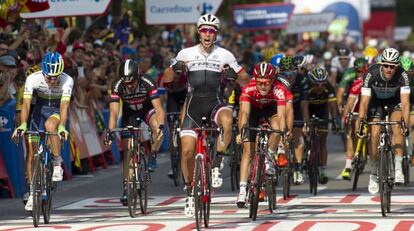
[[91, 202]]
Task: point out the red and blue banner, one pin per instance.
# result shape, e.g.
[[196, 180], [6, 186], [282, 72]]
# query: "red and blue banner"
[[262, 16]]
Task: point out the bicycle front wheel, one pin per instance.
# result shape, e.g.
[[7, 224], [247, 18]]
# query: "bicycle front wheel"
[[198, 194], [271, 192], [132, 183], [257, 183], [144, 180], [47, 202], [406, 169], [37, 190], [356, 171], [383, 178]]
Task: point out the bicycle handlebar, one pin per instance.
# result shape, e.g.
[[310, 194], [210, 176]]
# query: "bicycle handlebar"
[[128, 129]]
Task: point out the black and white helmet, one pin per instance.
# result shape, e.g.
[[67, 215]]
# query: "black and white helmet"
[[390, 55], [128, 70], [209, 19], [318, 75]]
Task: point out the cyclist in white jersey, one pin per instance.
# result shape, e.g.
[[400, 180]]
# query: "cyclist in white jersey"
[[53, 89], [340, 63], [206, 65]]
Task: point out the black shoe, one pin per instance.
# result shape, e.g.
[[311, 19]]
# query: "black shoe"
[[25, 197], [124, 199]]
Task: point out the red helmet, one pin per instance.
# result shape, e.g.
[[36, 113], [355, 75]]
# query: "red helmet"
[[264, 70]]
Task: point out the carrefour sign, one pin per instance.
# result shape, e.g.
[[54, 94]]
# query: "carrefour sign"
[[178, 11]]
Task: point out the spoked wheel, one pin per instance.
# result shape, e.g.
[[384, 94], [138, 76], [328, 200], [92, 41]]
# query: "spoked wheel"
[[198, 194], [287, 178], [356, 171], [257, 183], [37, 190], [47, 202], [406, 169], [383, 184], [144, 181], [207, 196], [315, 168], [235, 167], [175, 166], [271, 192], [132, 184]]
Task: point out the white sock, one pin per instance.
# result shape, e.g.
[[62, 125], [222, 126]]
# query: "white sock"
[[348, 163], [270, 154], [243, 186], [398, 163]]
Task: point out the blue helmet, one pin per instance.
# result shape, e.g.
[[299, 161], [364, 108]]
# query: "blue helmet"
[[276, 59], [52, 64]]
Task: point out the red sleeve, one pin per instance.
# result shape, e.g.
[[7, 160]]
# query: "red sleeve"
[[61, 48], [280, 93], [244, 96]]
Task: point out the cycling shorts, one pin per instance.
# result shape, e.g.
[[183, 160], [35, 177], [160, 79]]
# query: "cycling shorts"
[[257, 116], [297, 115], [197, 108], [321, 112], [42, 112], [376, 107], [134, 118], [176, 100]]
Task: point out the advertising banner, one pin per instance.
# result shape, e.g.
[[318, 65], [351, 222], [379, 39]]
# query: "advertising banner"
[[300, 23], [262, 16], [178, 11], [70, 8]]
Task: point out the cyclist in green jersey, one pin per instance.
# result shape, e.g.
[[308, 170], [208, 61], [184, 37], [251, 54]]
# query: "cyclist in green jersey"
[[408, 66]]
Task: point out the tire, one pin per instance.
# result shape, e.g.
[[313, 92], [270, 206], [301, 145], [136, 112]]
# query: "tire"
[[357, 163], [406, 170], [383, 184], [198, 194], [207, 195], [271, 192], [175, 166], [37, 190], [47, 202], [132, 183], [257, 184], [144, 181], [314, 160]]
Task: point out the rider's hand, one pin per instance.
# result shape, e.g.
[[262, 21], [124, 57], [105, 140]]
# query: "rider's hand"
[[19, 130], [305, 129], [178, 67], [360, 130], [405, 131], [160, 132], [238, 139], [108, 137], [335, 126], [63, 134]]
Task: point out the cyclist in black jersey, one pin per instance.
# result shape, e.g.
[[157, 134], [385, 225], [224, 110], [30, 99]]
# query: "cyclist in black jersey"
[[140, 99], [385, 84], [205, 63]]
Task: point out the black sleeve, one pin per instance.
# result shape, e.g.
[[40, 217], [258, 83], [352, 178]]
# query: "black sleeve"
[[150, 85]]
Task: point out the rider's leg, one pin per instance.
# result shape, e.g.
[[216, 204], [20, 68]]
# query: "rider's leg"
[[154, 124], [398, 144], [51, 125], [225, 120], [188, 145], [299, 146]]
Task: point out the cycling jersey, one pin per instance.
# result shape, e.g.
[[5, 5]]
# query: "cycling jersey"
[[48, 95], [347, 78], [355, 91], [205, 70], [277, 95], [318, 103], [377, 87], [138, 98], [339, 69]]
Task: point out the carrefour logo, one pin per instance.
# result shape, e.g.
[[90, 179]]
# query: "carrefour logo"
[[170, 9], [205, 8]]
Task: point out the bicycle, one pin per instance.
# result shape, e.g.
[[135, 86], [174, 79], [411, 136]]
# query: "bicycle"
[[255, 183], [406, 162], [360, 158], [386, 160], [312, 153], [286, 172], [202, 172], [175, 155], [235, 157], [138, 178], [42, 184]]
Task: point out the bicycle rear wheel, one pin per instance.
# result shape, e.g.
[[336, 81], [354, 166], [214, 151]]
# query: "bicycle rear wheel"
[[235, 167], [175, 166], [287, 178], [315, 168], [132, 183], [144, 181], [198, 194], [406, 169], [47, 202], [356, 171], [207, 195], [383, 178]]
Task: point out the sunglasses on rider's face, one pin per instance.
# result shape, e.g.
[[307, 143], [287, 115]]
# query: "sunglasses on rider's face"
[[263, 83], [318, 84], [387, 66], [208, 30]]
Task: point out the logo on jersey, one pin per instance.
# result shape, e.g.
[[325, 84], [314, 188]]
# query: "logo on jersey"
[[279, 93], [367, 78], [148, 81]]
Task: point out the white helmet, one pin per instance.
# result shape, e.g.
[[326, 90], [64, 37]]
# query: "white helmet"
[[390, 55], [209, 19]]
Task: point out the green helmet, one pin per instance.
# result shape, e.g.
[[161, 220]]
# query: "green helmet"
[[360, 63], [406, 63], [286, 63]]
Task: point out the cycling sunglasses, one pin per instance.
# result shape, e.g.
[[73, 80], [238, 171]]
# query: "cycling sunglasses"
[[208, 30], [388, 66], [263, 83]]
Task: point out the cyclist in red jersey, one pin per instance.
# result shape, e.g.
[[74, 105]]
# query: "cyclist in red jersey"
[[352, 105], [262, 98]]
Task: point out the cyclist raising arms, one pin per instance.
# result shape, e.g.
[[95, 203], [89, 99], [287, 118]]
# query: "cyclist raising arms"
[[140, 100], [53, 88], [205, 63], [261, 98], [385, 84]]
